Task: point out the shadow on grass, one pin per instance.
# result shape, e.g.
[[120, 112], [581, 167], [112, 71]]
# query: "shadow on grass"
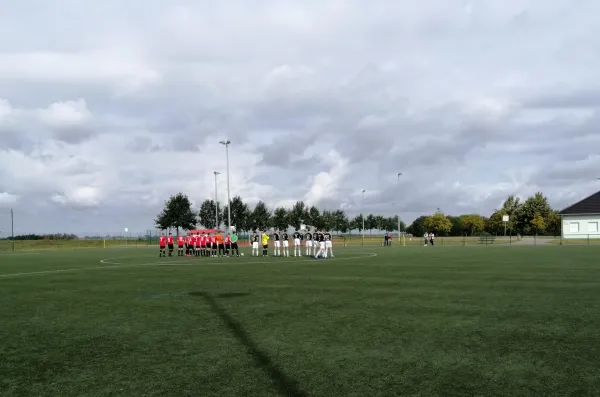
[[285, 385]]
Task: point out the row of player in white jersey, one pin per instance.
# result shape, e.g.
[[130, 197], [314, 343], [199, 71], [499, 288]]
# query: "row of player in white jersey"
[[318, 244]]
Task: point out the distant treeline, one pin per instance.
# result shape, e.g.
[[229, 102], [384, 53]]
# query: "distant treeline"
[[57, 236]]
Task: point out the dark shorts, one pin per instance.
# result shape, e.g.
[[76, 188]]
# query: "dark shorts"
[[180, 246], [170, 246], [221, 246], [265, 246], [234, 246], [162, 247]]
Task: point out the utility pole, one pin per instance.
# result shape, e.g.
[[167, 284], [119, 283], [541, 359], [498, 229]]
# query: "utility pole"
[[12, 228], [216, 201], [363, 216], [226, 144], [398, 183]]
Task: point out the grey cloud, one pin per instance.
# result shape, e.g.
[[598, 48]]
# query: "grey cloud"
[[13, 139], [143, 144], [284, 149], [566, 99], [73, 135]]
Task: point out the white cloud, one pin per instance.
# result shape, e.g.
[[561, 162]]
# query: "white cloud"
[[108, 112], [122, 73], [80, 197], [66, 114], [326, 183], [6, 110], [7, 199]]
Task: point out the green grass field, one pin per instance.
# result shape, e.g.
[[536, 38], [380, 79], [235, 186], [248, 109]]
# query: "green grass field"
[[442, 321]]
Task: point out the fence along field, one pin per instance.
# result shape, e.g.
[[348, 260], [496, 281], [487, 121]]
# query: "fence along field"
[[338, 240]]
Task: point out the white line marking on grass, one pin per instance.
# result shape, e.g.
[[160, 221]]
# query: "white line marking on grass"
[[116, 265], [66, 270], [234, 262], [20, 253]]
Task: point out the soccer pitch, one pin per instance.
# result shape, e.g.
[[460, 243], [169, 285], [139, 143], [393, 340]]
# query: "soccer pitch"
[[413, 321]]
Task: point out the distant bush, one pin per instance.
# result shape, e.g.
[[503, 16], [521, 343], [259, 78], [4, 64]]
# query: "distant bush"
[[56, 236]]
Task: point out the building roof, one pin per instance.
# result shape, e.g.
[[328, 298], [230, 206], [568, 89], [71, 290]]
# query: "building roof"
[[587, 206]]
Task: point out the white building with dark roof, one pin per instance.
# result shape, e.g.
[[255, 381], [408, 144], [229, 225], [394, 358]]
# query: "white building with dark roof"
[[582, 219]]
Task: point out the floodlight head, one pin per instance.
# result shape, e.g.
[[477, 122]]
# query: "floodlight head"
[[399, 174], [227, 142], [216, 172]]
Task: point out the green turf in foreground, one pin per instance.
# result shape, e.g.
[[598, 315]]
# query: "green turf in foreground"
[[454, 321]]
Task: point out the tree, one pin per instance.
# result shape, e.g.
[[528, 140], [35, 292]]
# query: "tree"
[[314, 217], [438, 223], [457, 226], [298, 215], [177, 214], [207, 214], [280, 219], [162, 221], [495, 225], [472, 223], [536, 204], [511, 205], [357, 223], [370, 223], [342, 224], [240, 213], [553, 224], [340, 221], [391, 224], [417, 228], [537, 223], [381, 222], [388, 224], [327, 220], [261, 216]]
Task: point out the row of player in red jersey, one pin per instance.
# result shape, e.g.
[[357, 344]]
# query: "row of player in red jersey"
[[204, 244]]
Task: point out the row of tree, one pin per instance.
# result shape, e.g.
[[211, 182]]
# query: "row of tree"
[[533, 216], [57, 236], [178, 214]]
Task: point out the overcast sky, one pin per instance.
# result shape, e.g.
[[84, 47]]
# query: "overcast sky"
[[108, 107]]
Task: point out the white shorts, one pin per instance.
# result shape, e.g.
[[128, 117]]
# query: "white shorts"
[[277, 244], [286, 243], [328, 244], [322, 245], [296, 241], [255, 244], [309, 243]]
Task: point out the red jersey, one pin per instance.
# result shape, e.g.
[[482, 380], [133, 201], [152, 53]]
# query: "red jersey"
[[170, 240], [196, 240], [213, 239], [188, 240], [180, 241], [203, 241], [227, 240], [162, 241]]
